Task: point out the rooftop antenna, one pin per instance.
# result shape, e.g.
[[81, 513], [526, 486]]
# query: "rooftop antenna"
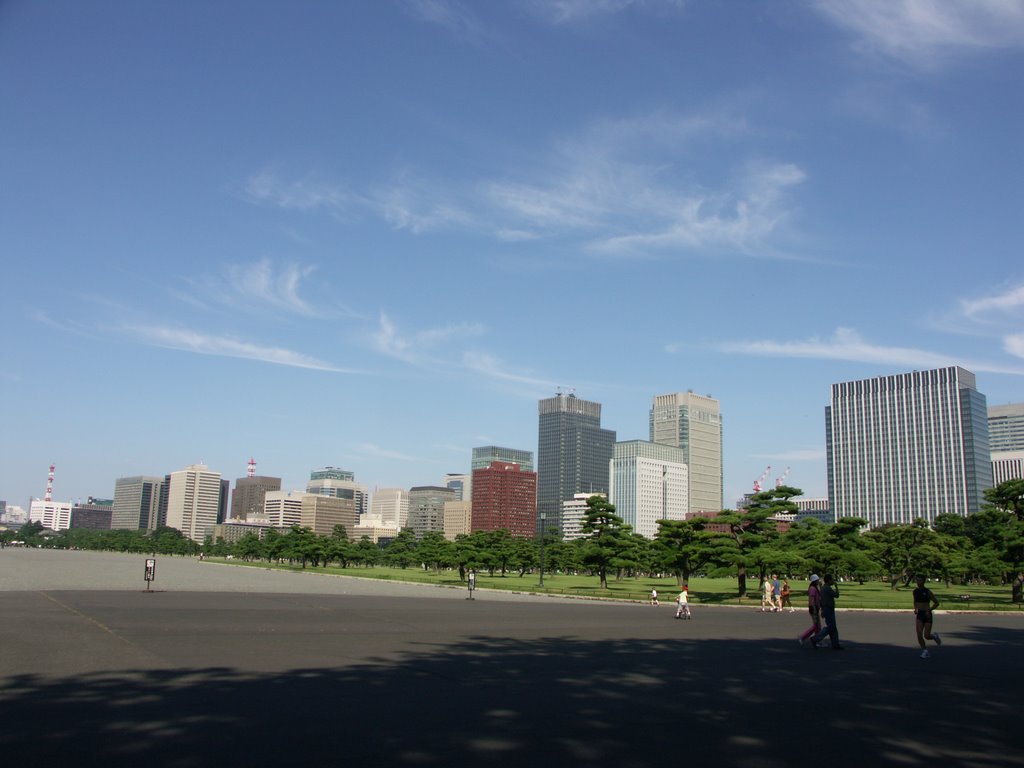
[[252, 467]]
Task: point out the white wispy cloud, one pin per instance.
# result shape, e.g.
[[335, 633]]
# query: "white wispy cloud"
[[996, 314], [225, 346], [418, 346], [626, 187], [568, 11], [927, 33], [306, 194], [452, 15], [1005, 305], [847, 344], [419, 206], [1014, 344], [267, 284], [370, 449], [491, 367], [740, 220]]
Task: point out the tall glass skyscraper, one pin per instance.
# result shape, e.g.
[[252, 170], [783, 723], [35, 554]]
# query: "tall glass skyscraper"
[[908, 446], [573, 454], [693, 423]]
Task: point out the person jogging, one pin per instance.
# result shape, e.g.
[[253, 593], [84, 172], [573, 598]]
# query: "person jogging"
[[925, 603]]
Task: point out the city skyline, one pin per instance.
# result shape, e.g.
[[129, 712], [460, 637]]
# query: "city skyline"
[[374, 235]]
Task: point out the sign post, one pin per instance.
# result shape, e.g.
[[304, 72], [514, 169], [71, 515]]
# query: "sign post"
[[472, 584], [150, 571]]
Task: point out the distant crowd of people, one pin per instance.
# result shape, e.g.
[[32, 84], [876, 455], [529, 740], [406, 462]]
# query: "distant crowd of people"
[[822, 594]]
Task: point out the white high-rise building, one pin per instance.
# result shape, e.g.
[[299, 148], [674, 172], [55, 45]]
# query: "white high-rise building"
[[55, 515], [390, 506], [693, 423], [193, 500], [1007, 465], [906, 447], [649, 482], [283, 509], [573, 512]]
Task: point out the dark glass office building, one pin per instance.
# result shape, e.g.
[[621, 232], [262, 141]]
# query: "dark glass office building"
[[573, 454]]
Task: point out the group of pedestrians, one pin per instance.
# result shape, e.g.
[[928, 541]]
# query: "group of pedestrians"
[[821, 604], [775, 595]]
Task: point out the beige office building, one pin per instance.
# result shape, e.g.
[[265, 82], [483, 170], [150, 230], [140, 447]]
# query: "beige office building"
[[283, 509], [391, 507], [693, 423], [323, 513], [193, 500], [457, 518]]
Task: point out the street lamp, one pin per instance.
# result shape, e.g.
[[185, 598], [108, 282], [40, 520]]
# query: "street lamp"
[[543, 515]]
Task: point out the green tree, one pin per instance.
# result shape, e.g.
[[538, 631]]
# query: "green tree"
[[525, 555], [303, 545], [366, 552], [402, 549], [750, 529], [904, 551], [249, 547], [435, 551], [1008, 496], [683, 547], [607, 538]]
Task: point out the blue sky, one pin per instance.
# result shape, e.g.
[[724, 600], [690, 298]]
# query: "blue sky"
[[373, 234]]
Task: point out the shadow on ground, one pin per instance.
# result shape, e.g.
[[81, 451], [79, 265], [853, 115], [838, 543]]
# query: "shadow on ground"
[[559, 701]]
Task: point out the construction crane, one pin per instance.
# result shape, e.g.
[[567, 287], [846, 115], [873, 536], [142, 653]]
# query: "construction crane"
[[780, 480], [758, 483]]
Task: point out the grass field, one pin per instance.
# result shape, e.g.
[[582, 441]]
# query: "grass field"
[[875, 595]]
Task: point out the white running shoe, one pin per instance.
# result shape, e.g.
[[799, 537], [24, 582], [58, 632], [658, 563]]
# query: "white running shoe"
[[925, 654]]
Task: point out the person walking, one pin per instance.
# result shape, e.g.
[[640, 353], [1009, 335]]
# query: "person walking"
[[786, 595], [654, 597], [829, 595], [925, 603], [766, 596], [813, 608], [776, 593]]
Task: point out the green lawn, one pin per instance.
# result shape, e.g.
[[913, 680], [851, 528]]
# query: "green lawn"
[[708, 591]]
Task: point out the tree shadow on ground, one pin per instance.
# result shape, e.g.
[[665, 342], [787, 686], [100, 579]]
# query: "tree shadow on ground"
[[558, 701]]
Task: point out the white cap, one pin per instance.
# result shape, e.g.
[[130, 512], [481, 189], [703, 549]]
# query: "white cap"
[[814, 577]]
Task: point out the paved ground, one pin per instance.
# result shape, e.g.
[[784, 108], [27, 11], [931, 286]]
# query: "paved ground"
[[309, 669]]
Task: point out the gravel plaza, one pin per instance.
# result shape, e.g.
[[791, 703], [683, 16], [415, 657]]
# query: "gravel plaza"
[[220, 665]]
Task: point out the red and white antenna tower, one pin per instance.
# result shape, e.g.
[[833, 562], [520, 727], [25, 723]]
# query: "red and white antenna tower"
[[761, 479], [49, 485], [252, 467], [780, 480]]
